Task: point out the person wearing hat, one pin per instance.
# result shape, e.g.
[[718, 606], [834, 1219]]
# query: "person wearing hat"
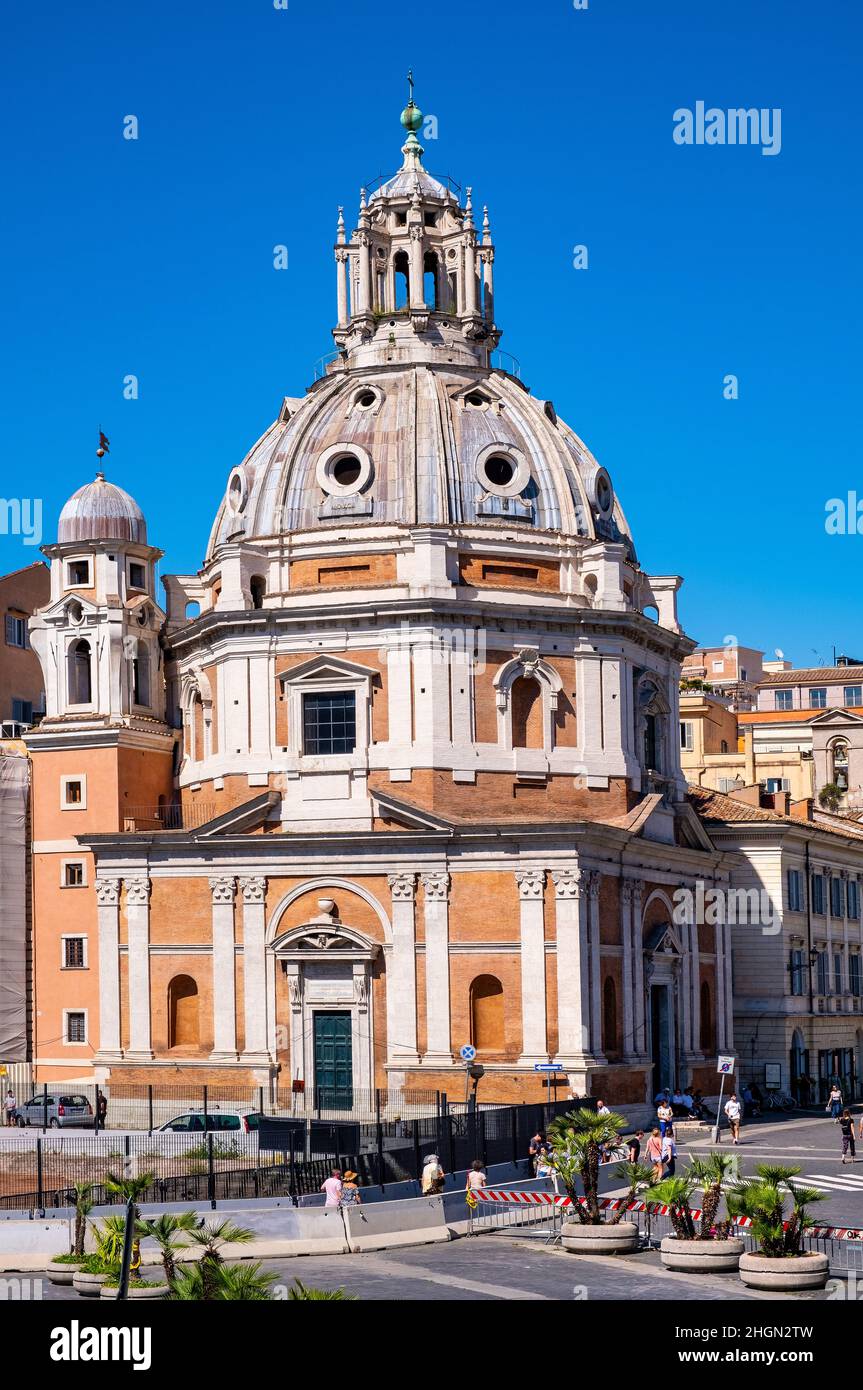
[[350, 1195], [432, 1179]]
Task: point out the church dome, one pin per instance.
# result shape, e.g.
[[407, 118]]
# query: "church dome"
[[101, 511]]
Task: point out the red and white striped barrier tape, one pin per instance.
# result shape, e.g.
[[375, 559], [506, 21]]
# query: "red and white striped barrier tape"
[[534, 1199]]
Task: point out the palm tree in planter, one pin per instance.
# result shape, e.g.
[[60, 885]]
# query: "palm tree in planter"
[[776, 1210], [699, 1244], [212, 1237], [63, 1267], [170, 1233], [578, 1140], [224, 1283]]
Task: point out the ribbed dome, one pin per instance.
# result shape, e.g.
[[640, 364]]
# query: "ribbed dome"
[[101, 511]]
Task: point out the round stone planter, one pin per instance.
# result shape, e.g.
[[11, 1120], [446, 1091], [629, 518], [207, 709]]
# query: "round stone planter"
[[581, 1239], [701, 1256], [157, 1291], [784, 1275], [88, 1285], [62, 1273]]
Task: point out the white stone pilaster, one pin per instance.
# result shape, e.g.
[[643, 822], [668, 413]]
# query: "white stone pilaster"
[[253, 890], [402, 973], [224, 972], [628, 1002], [593, 880], [719, 975], [436, 920], [638, 967], [729, 994], [108, 909], [531, 883], [572, 969], [138, 937]]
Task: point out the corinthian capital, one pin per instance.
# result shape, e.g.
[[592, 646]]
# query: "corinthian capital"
[[436, 886], [253, 888], [530, 882], [402, 886], [108, 892], [137, 891], [567, 883], [222, 889]]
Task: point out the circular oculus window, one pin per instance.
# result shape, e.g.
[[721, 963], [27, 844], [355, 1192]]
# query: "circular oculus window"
[[344, 469], [237, 494], [603, 494], [502, 472]]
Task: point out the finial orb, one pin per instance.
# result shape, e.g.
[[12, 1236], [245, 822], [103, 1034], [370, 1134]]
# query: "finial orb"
[[411, 118]]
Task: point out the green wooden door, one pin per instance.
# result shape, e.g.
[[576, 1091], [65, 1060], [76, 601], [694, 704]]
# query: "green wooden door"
[[333, 1061]]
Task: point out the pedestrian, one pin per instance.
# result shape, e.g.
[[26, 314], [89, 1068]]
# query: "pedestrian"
[[101, 1108], [653, 1153], [536, 1143], [633, 1145], [834, 1102], [475, 1176], [544, 1167], [669, 1156], [732, 1111], [846, 1124], [333, 1188], [10, 1105], [433, 1176], [350, 1193], [602, 1108], [665, 1116]]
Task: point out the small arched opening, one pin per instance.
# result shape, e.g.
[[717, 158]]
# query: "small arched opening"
[[486, 1014], [526, 702], [258, 590], [401, 276], [141, 675], [431, 270], [80, 673], [183, 1012]]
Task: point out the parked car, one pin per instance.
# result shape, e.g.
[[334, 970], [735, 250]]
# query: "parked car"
[[61, 1110], [195, 1121]]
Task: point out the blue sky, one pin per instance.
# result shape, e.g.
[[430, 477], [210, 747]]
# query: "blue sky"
[[155, 257]]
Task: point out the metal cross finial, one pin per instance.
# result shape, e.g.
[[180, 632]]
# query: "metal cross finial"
[[411, 83]]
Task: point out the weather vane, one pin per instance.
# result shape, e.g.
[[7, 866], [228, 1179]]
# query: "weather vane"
[[411, 84]]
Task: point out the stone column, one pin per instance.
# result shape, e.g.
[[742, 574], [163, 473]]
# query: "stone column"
[[628, 1009], [108, 908], [138, 935], [255, 970], [364, 305], [531, 883], [695, 978], [438, 1044], [470, 306], [638, 967], [572, 970], [595, 966], [224, 971], [416, 288], [487, 257], [342, 286], [402, 973]]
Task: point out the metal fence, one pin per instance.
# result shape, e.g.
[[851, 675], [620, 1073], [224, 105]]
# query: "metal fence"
[[39, 1171]]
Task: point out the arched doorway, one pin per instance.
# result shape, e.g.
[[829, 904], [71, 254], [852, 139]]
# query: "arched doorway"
[[663, 954]]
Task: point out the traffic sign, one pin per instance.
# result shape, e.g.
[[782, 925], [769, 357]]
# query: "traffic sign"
[[467, 1053], [547, 1066], [725, 1066]]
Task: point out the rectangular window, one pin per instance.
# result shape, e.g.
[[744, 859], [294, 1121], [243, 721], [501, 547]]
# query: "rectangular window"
[[73, 792], [777, 784], [797, 971], [823, 972], [837, 897], [818, 893], [74, 955], [853, 695], [854, 975], [853, 900], [329, 723], [73, 873], [527, 572], [818, 697], [22, 711], [76, 1027], [78, 574], [16, 631], [837, 973], [137, 576], [718, 665], [687, 735], [784, 699], [795, 890]]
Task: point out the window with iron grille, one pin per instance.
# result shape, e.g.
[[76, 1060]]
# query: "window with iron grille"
[[330, 723], [76, 1028], [73, 952]]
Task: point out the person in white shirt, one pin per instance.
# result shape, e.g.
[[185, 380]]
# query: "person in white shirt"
[[733, 1111]]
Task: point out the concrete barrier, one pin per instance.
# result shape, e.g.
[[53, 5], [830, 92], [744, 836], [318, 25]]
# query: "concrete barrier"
[[387, 1225], [34, 1238]]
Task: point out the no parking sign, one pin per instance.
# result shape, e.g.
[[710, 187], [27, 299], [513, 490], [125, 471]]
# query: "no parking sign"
[[725, 1066]]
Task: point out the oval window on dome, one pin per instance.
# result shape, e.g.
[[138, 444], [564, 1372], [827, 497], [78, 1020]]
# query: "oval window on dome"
[[603, 494], [238, 491], [502, 471], [343, 469]]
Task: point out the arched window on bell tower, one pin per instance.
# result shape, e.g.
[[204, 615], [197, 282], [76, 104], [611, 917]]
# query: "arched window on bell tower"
[[141, 675], [401, 269], [80, 673], [431, 280]]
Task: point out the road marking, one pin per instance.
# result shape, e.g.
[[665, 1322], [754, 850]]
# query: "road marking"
[[845, 1182]]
